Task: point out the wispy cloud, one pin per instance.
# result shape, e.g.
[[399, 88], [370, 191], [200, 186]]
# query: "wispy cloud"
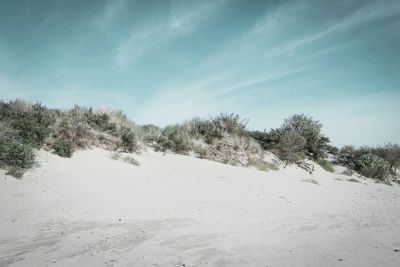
[[251, 63], [181, 20], [358, 18], [109, 14]]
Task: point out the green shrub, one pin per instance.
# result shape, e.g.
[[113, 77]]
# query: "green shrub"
[[229, 123], [263, 165], [32, 121], [391, 153], [268, 140], [290, 148], [373, 166], [128, 140], [316, 144], [150, 133], [63, 148], [101, 121], [347, 156], [174, 138], [15, 156], [326, 165], [205, 129]]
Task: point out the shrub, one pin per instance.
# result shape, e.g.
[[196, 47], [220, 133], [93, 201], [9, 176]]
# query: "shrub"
[[174, 138], [326, 165], [150, 133], [332, 150], [290, 148], [347, 156], [373, 166], [128, 140], [316, 144], [32, 121], [263, 165], [268, 140], [391, 153], [101, 121], [63, 148], [15, 156], [229, 123], [205, 129]]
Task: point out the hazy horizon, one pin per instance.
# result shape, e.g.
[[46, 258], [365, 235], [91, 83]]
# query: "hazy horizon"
[[167, 61]]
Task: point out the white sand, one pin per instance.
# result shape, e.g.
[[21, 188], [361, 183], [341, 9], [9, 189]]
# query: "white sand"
[[181, 211]]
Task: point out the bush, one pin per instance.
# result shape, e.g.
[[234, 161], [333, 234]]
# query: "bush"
[[268, 140], [101, 121], [347, 156], [316, 144], [391, 153], [229, 123], [32, 121], [174, 138], [373, 166], [326, 165], [128, 140], [63, 148], [290, 148], [15, 156], [205, 129]]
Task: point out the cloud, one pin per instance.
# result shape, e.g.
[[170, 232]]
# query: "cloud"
[[109, 14], [180, 21], [360, 17]]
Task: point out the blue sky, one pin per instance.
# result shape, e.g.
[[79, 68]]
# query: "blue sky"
[[166, 61]]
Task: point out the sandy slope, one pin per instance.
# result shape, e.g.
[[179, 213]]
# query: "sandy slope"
[[181, 211]]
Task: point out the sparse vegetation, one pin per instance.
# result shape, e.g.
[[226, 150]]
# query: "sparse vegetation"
[[223, 138], [127, 159], [15, 156], [311, 180], [263, 165], [63, 148], [366, 161], [290, 148], [128, 140], [326, 165]]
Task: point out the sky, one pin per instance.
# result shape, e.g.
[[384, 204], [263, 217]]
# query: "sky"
[[163, 62]]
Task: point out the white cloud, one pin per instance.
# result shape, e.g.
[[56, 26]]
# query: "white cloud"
[[111, 10], [180, 21]]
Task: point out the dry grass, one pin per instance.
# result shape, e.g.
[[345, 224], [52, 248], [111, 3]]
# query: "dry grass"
[[263, 165], [125, 158], [311, 180]]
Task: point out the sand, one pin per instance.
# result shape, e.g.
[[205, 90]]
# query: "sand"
[[176, 210]]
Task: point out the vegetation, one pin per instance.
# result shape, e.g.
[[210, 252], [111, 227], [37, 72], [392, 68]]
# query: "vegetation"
[[128, 140], [223, 138], [31, 121], [298, 137], [15, 156], [369, 162], [291, 147], [326, 165], [25, 126], [63, 148]]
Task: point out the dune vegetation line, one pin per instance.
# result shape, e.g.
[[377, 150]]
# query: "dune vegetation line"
[[25, 127]]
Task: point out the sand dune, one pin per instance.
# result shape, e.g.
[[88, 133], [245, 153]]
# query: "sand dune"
[[176, 210]]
